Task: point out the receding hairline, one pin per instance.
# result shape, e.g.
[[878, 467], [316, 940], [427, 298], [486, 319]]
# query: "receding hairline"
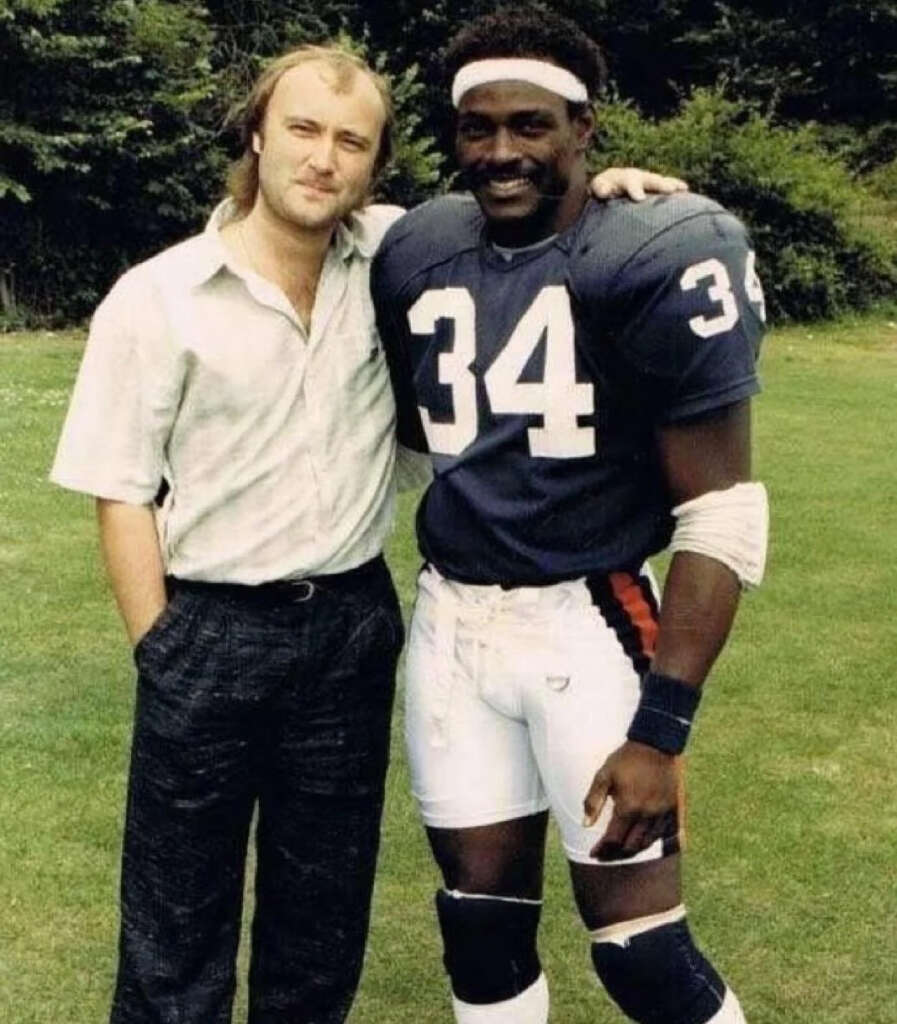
[[340, 76], [249, 116]]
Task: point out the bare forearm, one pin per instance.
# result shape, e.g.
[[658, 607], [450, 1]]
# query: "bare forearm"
[[699, 603], [134, 565], [701, 593]]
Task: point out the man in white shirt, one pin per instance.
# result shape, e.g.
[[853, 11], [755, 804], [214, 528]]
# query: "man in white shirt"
[[241, 373], [243, 368]]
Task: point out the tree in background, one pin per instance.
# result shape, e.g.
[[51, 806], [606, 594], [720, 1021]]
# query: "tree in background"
[[247, 32], [105, 141], [819, 256], [112, 139], [112, 136], [835, 63]]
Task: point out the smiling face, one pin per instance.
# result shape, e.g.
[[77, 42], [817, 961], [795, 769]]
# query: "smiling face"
[[317, 145], [523, 158]]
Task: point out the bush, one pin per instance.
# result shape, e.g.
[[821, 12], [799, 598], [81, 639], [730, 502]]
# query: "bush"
[[111, 139], [883, 181], [105, 132], [817, 252]]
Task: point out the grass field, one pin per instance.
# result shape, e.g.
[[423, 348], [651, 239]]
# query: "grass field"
[[792, 866]]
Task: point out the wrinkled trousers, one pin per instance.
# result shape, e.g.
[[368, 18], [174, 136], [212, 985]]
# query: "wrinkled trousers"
[[249, 701]]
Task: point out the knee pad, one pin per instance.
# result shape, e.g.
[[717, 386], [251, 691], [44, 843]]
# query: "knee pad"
[[654, 972], [490, 945]]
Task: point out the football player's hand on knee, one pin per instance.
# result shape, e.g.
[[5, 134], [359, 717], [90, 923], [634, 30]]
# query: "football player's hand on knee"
[[643, 784], [614, 182]]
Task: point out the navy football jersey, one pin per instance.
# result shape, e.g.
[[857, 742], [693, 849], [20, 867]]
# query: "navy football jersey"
[[537, 378]]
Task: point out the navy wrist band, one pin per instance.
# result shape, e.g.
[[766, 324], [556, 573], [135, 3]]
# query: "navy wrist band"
[[664, 714]]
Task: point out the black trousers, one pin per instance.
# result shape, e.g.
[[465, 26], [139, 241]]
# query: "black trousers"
[[276, 697]]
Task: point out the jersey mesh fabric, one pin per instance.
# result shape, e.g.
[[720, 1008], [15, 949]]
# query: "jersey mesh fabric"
[[538, 382]]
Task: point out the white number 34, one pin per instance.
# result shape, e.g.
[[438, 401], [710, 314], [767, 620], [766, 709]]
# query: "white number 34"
[[720, 291], [558, 399]]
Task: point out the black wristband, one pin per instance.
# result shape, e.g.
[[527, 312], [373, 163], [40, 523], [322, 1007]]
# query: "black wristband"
[[664, 714]]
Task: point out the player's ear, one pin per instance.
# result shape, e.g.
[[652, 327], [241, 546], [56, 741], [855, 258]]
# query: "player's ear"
[[256, 142], [584, 126]]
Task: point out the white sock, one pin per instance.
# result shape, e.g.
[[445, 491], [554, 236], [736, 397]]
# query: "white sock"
[[529, 1007]]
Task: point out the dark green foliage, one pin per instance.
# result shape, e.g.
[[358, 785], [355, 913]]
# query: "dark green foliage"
[[883, 182], [248, 32], [111, 140], [105, 142], [414, 173], [830, 62], [818, 254], [111, 132]]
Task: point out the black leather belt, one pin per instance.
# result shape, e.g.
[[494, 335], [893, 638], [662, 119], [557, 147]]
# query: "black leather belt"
[[296, 590]]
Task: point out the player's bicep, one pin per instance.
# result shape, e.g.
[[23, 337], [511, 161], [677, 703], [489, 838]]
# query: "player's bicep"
[[706, 453]]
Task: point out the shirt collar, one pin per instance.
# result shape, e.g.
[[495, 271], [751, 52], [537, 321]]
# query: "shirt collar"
[[351, 235], [356, 234], [209, 254]]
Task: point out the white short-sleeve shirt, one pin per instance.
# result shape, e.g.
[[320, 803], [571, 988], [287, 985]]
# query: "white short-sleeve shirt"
[[277, 443]]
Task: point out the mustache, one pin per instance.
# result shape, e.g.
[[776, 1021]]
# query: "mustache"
[[320, 184], [480, 175]]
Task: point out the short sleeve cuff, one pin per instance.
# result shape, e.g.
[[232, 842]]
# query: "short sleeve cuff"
[[130, 494]]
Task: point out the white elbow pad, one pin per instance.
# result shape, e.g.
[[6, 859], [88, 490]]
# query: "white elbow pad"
[[731, 526]]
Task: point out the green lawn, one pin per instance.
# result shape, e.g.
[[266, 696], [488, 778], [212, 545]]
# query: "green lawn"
[[792, 864]]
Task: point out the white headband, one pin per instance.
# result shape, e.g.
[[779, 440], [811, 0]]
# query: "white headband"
[[505, 69]]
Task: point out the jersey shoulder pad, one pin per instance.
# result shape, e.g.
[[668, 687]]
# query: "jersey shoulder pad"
[[430, 234], [671, 284], [620, 237]]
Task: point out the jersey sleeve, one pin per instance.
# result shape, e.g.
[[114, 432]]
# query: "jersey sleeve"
[[686, 315], [124, 401]]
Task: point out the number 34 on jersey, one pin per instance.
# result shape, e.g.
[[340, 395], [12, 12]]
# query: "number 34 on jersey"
[[559, 398]]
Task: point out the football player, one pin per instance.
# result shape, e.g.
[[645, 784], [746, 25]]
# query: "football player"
[[581, 374]]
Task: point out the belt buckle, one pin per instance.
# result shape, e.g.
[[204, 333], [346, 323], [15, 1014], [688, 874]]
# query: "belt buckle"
[[304, 591]]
